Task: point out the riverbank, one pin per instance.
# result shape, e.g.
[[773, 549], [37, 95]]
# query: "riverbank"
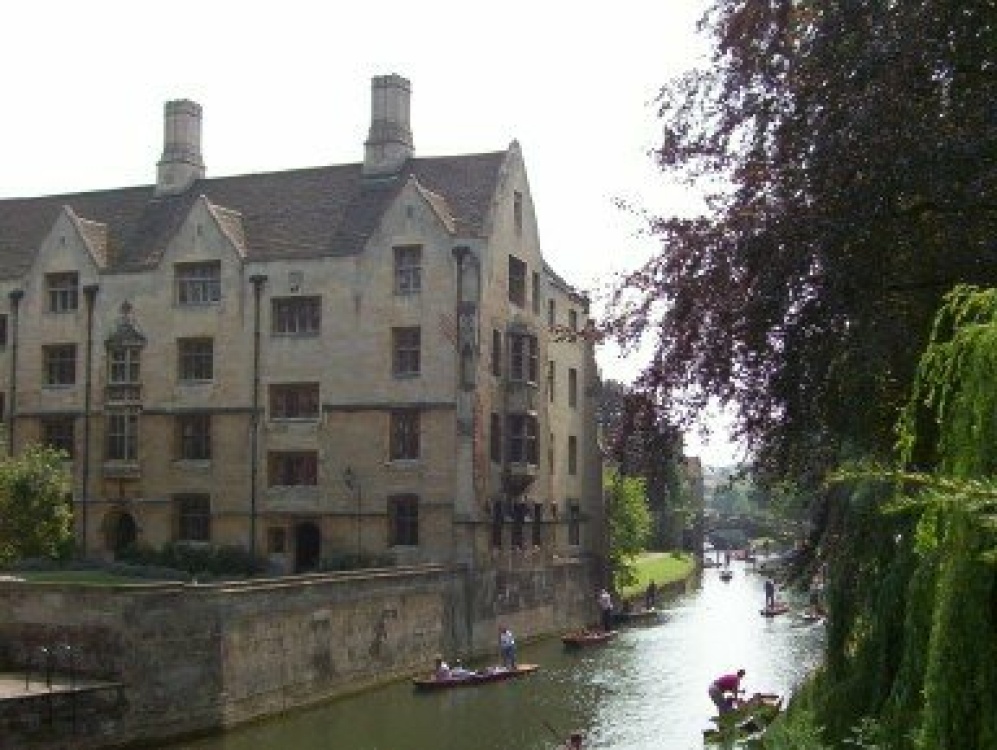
[[200, 658], [670, 571]]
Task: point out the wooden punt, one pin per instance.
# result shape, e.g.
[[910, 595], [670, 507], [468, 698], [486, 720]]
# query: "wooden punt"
[[749, 719], [477, 677], [637, 616], [585, 638], [780, 608]]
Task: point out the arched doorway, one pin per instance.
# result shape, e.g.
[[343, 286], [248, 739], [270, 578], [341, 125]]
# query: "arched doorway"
[[122, 531], [307, 547]]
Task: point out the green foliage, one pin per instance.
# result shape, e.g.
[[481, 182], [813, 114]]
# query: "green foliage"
[[199, 560], [796, 730], [931, 682], [846, 149], [955, 384], [35, 516], [961, 677], [629, 525]]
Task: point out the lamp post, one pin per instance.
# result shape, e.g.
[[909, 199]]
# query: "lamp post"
[[352, 482]]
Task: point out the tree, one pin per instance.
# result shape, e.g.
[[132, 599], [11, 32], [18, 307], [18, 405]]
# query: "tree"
[[35, 517], [912, 640], [643, 444], [854, 149], [629, 525]]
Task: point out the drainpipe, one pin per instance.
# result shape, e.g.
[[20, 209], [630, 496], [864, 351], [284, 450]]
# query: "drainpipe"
[[258, 281], [15, 301], [90, 297]]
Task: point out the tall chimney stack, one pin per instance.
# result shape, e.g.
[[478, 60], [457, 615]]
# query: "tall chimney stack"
[[181, 164], [389, 143]]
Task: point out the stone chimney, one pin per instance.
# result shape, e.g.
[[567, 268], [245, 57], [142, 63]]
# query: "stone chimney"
[[181, 164], [389, 143]]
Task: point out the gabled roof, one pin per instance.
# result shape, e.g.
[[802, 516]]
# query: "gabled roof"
[[297, 213]]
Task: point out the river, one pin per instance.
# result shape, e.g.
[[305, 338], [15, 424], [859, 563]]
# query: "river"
[[646, 690]]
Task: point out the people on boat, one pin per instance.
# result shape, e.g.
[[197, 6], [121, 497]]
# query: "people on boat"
[[441, 670], [769, 593], [651, 595], [605, 602], [724, 691], [507, 646], [574, 741]]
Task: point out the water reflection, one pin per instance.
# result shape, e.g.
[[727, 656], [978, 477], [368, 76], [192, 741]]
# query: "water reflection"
[[644, 691]]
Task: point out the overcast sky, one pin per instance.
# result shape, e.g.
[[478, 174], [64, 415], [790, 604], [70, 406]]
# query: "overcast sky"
[[286, 85]]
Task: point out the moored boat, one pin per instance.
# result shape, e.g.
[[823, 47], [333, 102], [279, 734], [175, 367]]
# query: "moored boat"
[[750, 719], [637, 616], [780, 608], [588, 638], [476, 677]]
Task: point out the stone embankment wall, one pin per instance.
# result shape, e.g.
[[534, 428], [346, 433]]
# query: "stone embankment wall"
[[192, 659]]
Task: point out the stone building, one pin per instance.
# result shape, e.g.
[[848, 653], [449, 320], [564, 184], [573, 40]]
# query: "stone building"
[[312, 364]]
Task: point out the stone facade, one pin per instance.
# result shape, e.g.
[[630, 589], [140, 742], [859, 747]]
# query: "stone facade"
[[312, 364]]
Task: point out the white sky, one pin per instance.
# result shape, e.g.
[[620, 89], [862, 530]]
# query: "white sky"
[[287, 85]]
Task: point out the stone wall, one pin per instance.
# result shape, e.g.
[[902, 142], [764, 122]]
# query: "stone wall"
[[193, 659]]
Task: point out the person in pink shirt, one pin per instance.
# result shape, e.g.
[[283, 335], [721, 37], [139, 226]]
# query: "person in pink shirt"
[[725, 689]]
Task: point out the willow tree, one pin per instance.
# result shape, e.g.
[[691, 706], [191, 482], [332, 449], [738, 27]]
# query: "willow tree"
[[956, 396], [913, 635]]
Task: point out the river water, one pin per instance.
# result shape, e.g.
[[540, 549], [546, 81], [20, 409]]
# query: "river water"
[[646, 690]]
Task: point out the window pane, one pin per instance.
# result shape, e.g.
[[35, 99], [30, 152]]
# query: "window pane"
[[522, 438], [122, 436], [293, 468], [408, 270], [294, 401], [406, 343], [297, 315], [124, 365], [196, 359], [195, 436], [517, 281], [193, 518], [404, 435], [60, 364], [198, 283], [403, 520], [57, 432], [63, 291]]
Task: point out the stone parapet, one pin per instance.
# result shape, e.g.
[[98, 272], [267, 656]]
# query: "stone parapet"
[[200, 658]]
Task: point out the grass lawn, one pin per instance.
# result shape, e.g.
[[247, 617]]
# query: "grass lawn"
[[660, 567], [85, 577]]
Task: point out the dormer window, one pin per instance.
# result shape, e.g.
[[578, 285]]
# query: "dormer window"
[[198, 283], [63, 292]]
